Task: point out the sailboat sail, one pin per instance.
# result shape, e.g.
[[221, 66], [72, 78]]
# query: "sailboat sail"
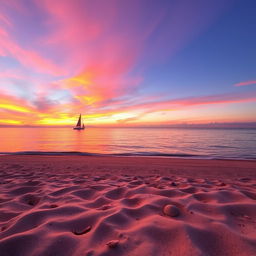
[[79, 125], [79, 122]]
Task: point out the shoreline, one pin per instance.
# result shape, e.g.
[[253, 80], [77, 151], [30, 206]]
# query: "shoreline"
[[144, 154], [137, 165]]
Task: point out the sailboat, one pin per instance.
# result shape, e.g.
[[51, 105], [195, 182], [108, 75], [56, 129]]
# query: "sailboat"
[[79, 125]]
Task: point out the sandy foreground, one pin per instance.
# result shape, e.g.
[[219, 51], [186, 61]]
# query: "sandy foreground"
[[85, 205]]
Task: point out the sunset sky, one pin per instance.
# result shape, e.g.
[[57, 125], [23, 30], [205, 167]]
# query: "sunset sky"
[[127, 62]]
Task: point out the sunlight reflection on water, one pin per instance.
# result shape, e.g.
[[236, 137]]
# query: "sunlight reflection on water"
[[214, 143]]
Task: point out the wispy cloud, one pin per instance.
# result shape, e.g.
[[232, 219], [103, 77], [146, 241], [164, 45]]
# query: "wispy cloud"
[[246, 83], [181, 103], [28, 58]]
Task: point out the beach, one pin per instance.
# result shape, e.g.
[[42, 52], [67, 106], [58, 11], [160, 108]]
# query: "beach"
[[103, 205]]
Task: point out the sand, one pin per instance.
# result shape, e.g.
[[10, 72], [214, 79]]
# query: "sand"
[[77, 205]]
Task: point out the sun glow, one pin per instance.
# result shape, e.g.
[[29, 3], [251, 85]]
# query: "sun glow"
[[14, 108], [56, 121], [6, 121]]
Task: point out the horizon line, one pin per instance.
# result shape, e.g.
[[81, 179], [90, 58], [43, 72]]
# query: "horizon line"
[[178, 125]]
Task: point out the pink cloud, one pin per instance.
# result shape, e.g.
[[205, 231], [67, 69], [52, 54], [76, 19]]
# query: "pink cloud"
[[28, 58], [77, 28], [245, 83], [5, 20], [95, 48]]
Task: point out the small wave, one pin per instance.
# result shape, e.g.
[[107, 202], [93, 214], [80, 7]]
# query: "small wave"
[[157, 154], [56, 153], [221, 146], [98, 154], [130, 154]]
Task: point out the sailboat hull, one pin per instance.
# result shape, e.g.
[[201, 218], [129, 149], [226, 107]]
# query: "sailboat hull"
[[78, 128]]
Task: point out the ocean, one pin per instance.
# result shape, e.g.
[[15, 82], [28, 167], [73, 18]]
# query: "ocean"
[[165, 142]]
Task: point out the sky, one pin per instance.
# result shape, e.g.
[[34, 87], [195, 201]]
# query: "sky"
[[127, 63]]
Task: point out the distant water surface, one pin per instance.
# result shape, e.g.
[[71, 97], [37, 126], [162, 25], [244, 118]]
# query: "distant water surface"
[[201, 143]]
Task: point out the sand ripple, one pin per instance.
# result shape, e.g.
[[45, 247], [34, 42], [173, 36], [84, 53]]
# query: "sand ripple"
[[65, 214]]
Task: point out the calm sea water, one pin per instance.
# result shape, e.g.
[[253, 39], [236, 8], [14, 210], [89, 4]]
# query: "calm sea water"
[[201, 143]]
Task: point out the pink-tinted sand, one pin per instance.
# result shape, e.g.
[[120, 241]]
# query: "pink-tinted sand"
[[77, 205]]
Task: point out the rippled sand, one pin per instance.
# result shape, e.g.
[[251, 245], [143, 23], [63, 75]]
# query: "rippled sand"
[[117, 206]]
